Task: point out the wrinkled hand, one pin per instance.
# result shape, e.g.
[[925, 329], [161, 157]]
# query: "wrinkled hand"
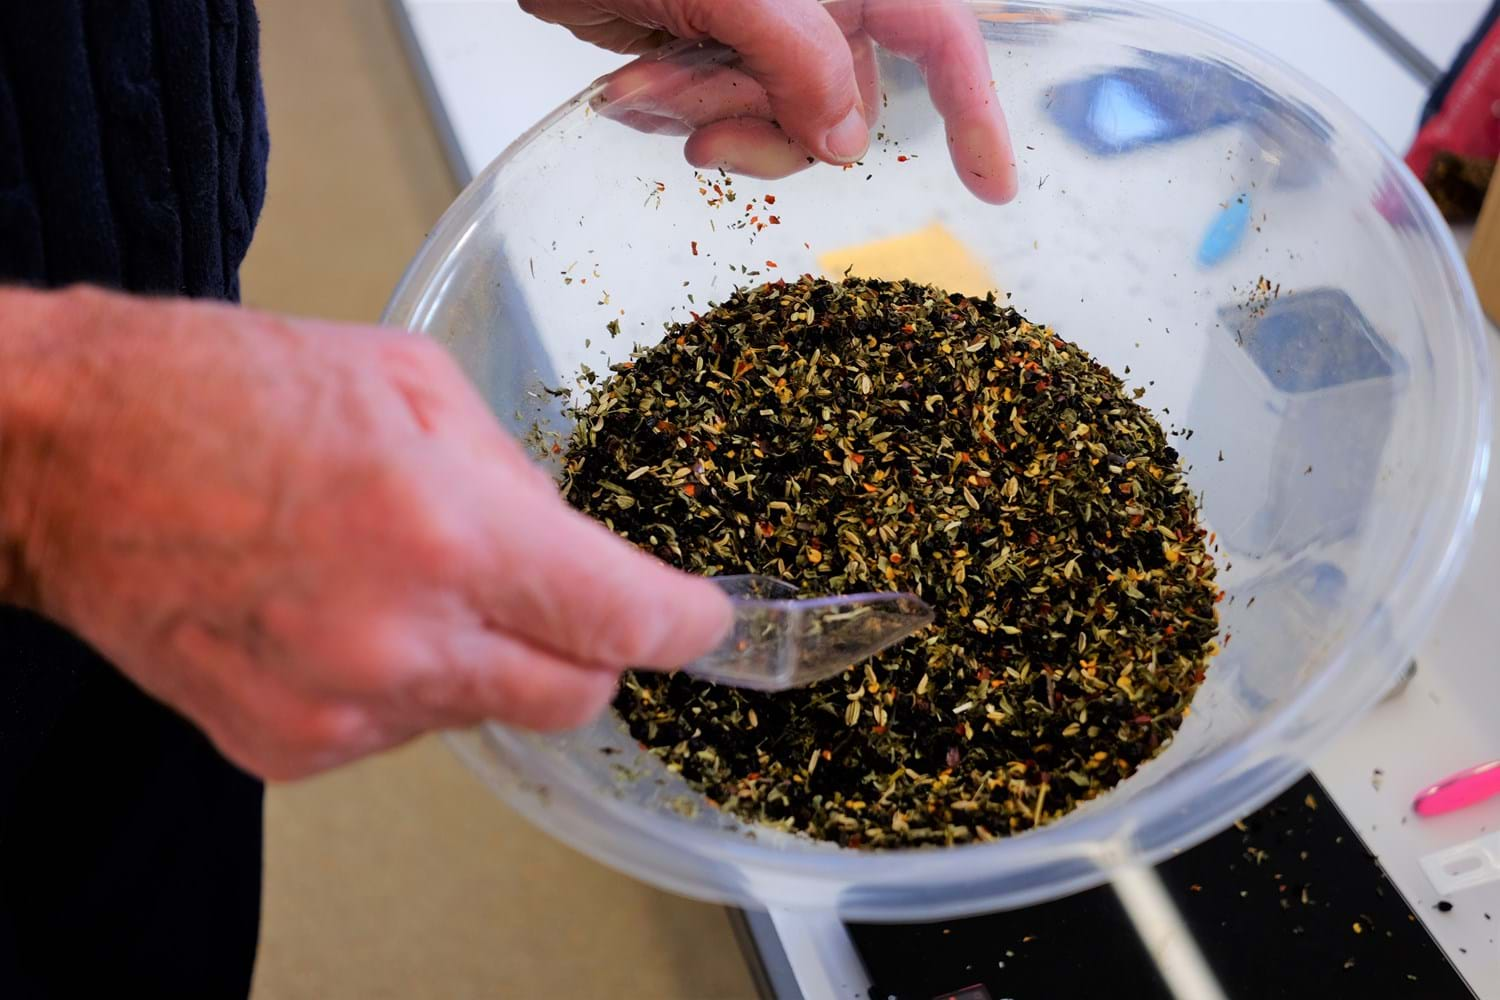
[[314, 540], [807, 84]]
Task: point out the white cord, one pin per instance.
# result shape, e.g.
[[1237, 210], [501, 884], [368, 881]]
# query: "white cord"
[[1166, 937]]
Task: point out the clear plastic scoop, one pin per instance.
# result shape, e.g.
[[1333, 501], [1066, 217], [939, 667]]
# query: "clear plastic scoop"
[[780, 641]]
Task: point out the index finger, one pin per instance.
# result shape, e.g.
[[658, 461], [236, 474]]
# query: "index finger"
[[942, 38]]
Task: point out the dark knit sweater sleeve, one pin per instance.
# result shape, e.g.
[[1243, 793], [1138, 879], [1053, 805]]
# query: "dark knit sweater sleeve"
[[132, 155], [132, 143]]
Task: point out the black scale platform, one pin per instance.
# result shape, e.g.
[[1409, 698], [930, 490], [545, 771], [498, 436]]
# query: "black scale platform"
[[1273, 902]]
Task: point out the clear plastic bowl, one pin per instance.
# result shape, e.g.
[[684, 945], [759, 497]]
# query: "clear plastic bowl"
[[1350, 409]]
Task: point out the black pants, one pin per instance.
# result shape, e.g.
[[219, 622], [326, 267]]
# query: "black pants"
[[130, 851]]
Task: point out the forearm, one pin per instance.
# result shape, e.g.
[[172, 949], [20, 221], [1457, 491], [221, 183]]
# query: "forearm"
[[35, 328]]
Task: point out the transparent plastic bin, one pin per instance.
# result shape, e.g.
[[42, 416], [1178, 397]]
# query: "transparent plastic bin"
[[1165, 169]]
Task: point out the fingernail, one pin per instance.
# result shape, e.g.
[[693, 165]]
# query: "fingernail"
[[848, 140]]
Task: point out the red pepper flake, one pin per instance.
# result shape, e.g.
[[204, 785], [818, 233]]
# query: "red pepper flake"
[[769, 199], [774, 220], [557, 449], [1141, 720], [754, 218], [690, 489], [902, 159], [770, 263]]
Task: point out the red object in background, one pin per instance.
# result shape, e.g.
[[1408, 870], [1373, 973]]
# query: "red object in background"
[[1459, 790], [1467, 121]]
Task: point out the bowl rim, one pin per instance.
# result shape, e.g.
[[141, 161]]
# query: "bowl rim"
[[1271, 753]]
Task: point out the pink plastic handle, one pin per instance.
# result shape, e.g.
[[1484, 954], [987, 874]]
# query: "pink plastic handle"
[[1459, 791]]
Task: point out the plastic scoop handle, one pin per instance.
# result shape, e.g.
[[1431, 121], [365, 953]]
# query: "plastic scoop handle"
[[780, 641]]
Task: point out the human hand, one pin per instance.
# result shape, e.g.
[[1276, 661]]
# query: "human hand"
[[312, 540], [807, 83]]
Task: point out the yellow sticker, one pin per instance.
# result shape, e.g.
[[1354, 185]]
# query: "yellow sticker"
[[933, 256]]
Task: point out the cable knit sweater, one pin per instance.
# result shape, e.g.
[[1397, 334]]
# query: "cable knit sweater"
[[132, 155]]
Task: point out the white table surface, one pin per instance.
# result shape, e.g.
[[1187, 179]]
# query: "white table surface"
[[493, 71]]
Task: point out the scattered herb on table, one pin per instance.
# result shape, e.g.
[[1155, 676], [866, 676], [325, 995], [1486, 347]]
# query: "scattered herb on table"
[[857, 435]]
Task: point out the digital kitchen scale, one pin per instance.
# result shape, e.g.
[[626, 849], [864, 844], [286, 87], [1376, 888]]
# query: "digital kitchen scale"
[[1288, 903]]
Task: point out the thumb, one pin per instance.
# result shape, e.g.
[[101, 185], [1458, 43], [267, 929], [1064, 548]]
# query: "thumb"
[[580, 591], [796, 51]]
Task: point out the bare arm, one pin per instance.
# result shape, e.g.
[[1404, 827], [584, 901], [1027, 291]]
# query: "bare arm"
[[24, 400], [311, 539]]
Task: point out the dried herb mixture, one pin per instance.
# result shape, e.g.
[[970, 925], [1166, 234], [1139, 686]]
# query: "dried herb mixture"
[[857, 435]]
